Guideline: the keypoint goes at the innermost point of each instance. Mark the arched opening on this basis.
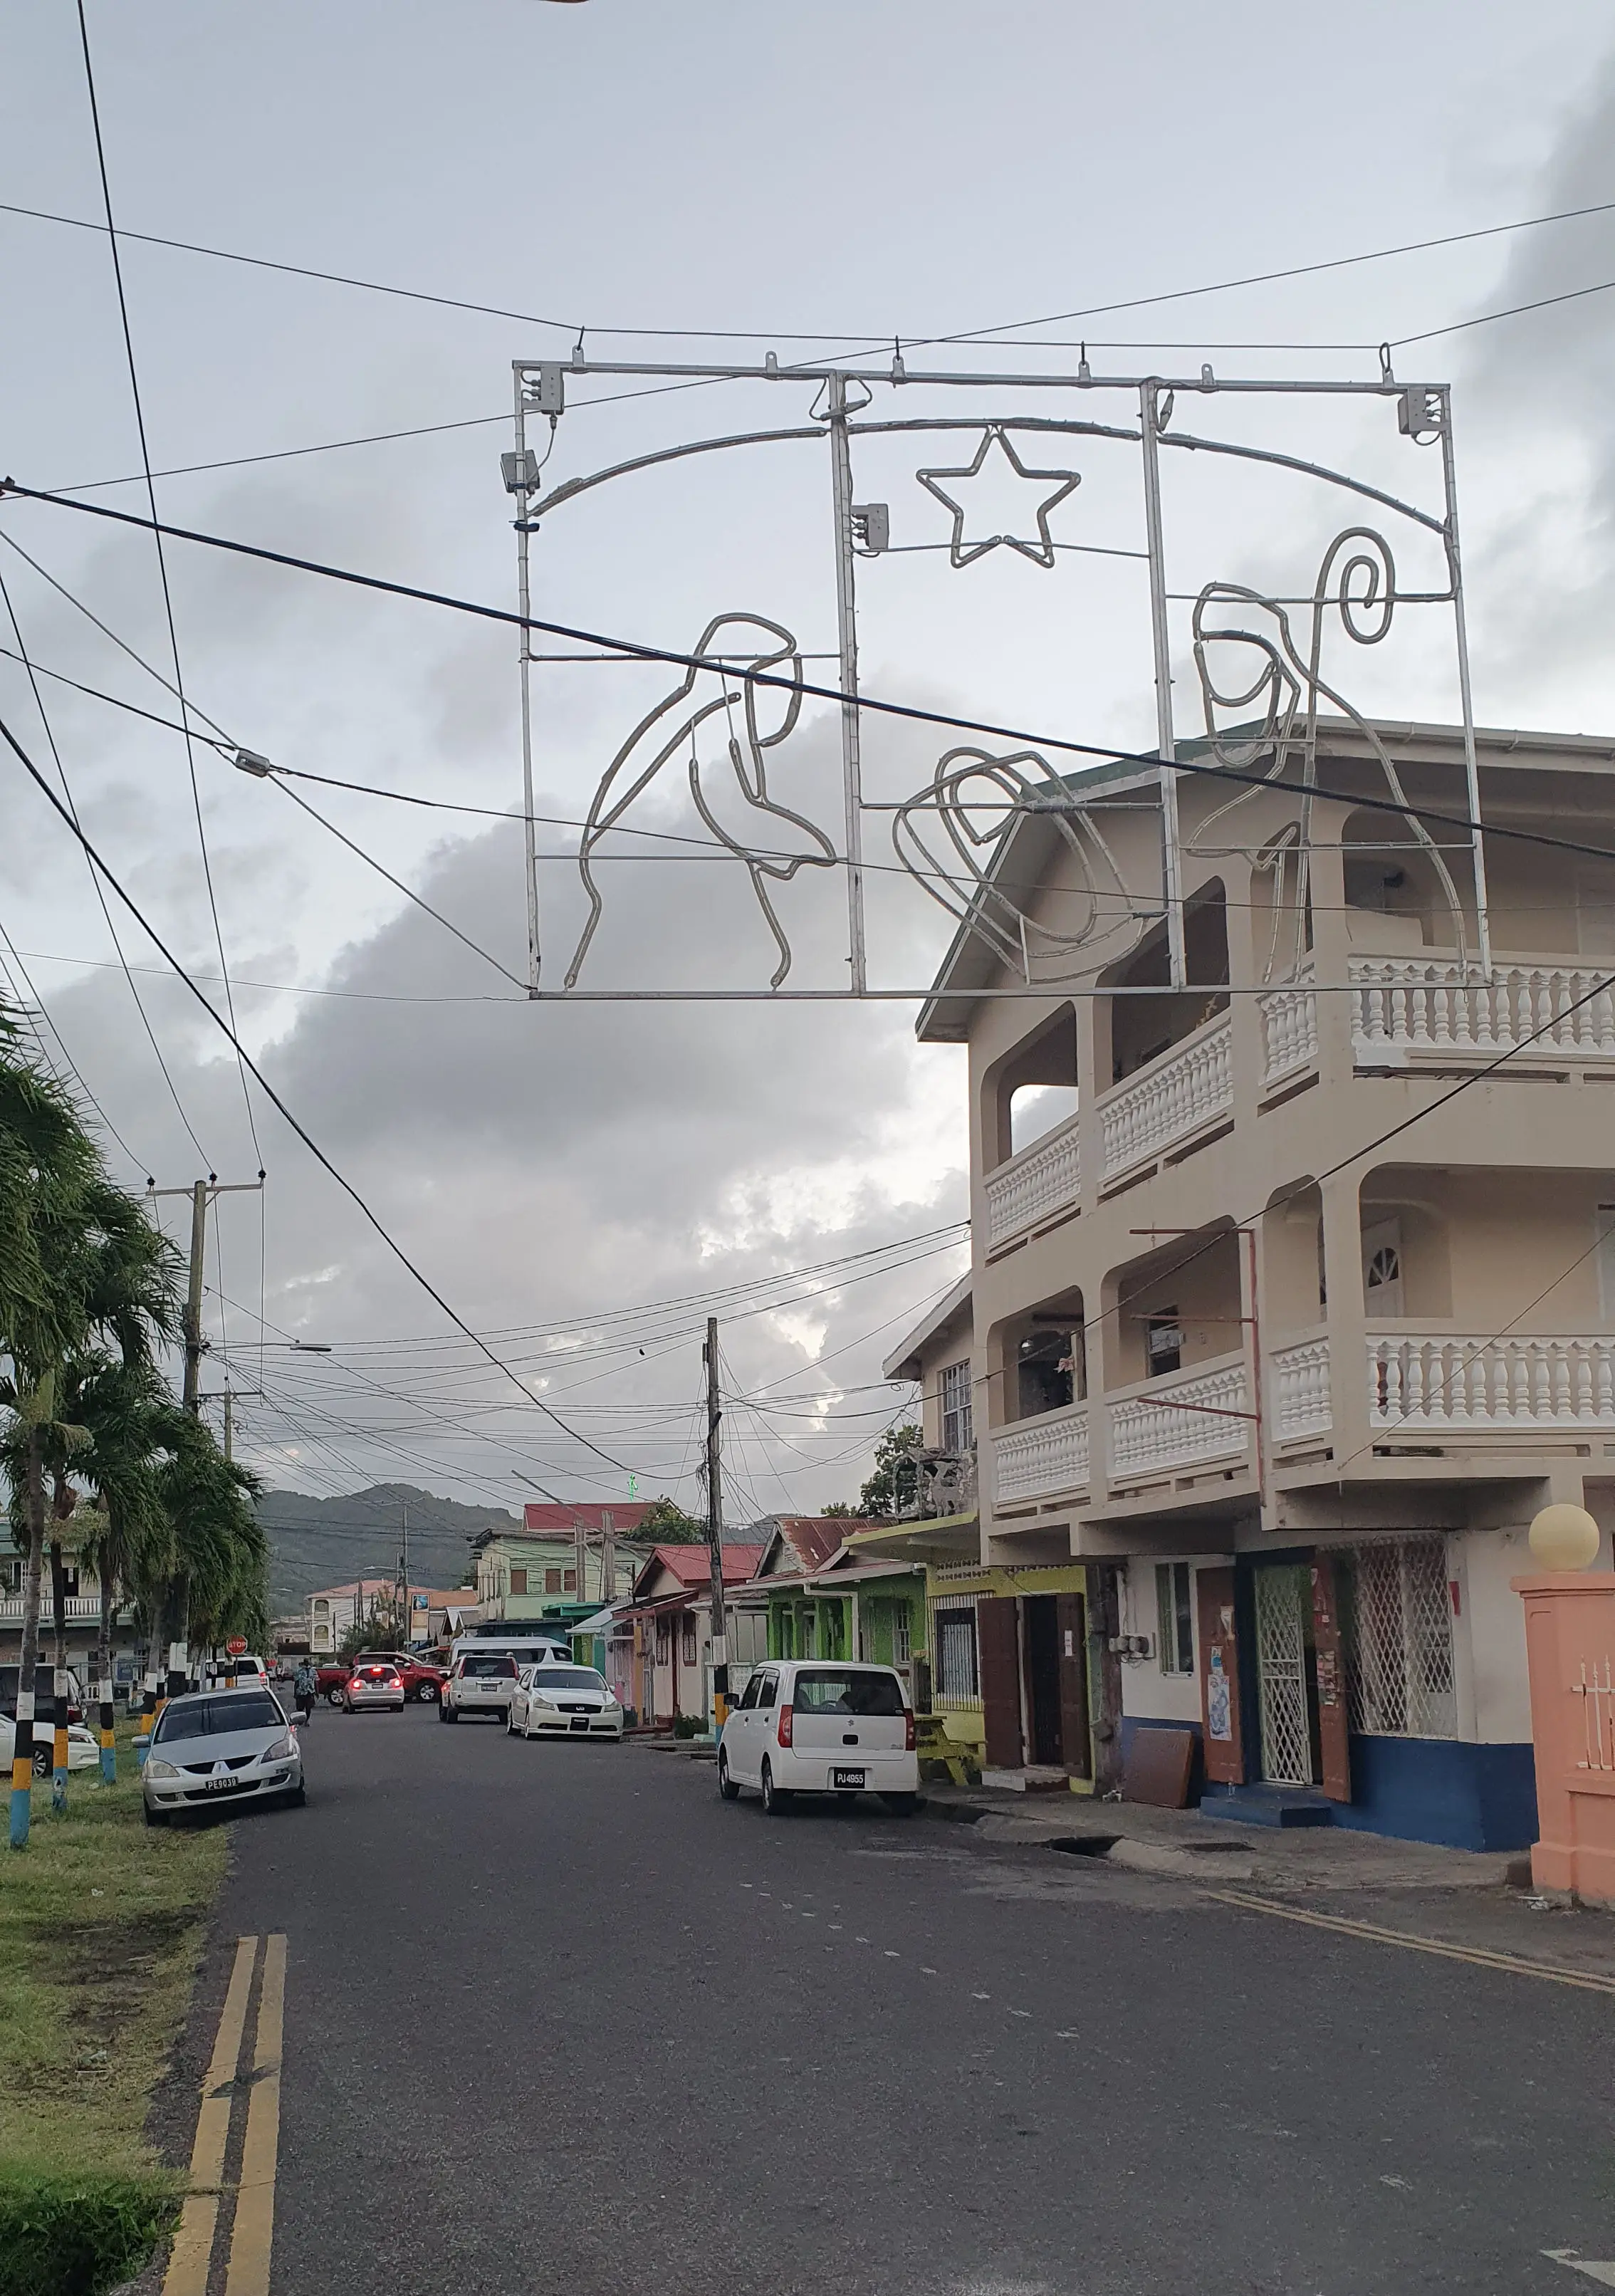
(1030, 1090)
(1294, 1292)
(1406, 1248)
(1395, 900)
(1043, 1357)
(1142, 1028)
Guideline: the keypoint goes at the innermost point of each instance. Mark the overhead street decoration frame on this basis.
(937, 834)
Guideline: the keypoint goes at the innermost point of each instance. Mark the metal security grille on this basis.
(956, 1677)
(1399, 1625)
(1281, 1655)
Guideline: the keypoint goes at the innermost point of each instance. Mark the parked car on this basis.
(806, 1726)
(220, 1746)
(563, 1702)
(479, 1682)
(422, 1678)
(84, 1747)
(44, 1694)
(374, 1683)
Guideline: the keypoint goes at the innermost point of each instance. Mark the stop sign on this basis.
(236, 1644)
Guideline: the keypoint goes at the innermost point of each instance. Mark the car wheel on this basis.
(427, 1693)
(153, 1816)
(42, 1761)
(296, 1799)
(901, 1805)
(725, 1783)
(776, 1799)
(333, 1696)
(446, 1713)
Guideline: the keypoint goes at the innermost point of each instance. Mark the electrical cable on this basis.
(101, 896)
(419, 899)
(633, 650)
(314, 1150)
(32, 1009)
(764, 334)
(162, 563)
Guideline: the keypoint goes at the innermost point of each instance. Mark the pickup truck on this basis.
(423, 1678)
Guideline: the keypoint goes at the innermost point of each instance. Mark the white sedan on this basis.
(373, 1685)
(84, 1747)
(563, 1702)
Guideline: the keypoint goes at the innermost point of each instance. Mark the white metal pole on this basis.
(1472, 768)
(524, 606)
(846, 640)
(1160, 638)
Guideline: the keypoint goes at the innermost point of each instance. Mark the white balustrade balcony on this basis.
(1290, 1032)
(1189, 1417)
(1299, 1401)
(75, 1608)
(1185, 1090)
(1408, 1011)
(1443, 1384)
(1042, 1457)
(1033, 1186)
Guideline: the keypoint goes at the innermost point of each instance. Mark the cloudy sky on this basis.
(692, 183)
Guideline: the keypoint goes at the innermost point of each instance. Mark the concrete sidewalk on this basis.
(1182, 1842)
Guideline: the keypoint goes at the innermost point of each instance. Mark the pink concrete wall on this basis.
(1569, 1639)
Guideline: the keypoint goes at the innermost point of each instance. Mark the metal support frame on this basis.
(833, 419)
(846, 643)
(1161, 643)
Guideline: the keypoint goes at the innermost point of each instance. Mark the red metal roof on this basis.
(691, 1566)
(539, 1516)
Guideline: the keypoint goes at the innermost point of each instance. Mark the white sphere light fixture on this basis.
(1564, 1538)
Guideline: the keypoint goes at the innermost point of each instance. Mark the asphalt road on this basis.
(559, 2020)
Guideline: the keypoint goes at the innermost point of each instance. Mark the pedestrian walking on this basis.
(306, 1687)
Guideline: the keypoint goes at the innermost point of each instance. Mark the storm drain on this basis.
(1085, 1845)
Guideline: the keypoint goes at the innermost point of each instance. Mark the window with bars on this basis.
(957, 1681)
(1174, 1617)
(687, 1626)
(1397, 1613)
(902, 1634)
(958, 1416)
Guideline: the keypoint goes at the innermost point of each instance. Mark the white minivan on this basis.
(821, 1726)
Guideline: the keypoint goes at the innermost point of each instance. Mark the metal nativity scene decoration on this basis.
(1269, 667)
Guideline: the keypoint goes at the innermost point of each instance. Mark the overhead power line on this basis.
(162, 563)
(303, 1134)
(635, 650)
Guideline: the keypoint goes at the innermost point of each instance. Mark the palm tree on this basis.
(122, 1407)
(218, 1566)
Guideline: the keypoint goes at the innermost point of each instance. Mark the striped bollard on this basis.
(148, 1721)
(108, 1742)
(59, 1748)
(22, 1768)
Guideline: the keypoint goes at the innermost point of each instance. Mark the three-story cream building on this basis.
(1293, 1287)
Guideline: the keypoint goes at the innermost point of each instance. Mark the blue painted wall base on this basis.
(1446, 1790)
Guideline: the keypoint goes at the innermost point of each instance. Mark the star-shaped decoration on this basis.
(1042, 552)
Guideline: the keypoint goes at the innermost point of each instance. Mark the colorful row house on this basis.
(1292, 1282)
(658, 1645)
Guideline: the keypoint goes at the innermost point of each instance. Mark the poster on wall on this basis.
(1219, 1719)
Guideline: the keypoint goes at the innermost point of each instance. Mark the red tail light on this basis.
(908, 1730)
(783, 1727)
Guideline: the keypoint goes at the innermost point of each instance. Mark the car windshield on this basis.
(488, 1665)
(567, 1678)
(214, 1718)
(847, 1690)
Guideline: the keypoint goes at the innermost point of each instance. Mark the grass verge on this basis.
(101, 1927)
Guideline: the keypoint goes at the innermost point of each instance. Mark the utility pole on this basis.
(715, 1535)
(175, 1608)
(404, 1609)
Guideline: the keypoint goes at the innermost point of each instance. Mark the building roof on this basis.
(591, 1513)
(970, 966)
(904, 1361)
(792, 1543)
(690, 1565)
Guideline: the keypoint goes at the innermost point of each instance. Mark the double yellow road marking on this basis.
(252, 2228)
(1518, 1964)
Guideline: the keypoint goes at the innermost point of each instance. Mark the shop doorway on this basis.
(1055, 1670)
(1287, 1680)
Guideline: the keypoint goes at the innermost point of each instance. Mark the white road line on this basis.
(1603, 2272)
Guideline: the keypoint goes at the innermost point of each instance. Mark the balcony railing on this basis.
(1423, 1383)
(1032, 1186)
(1042, 1457)
(1180, 1420)
(1182, 1093)
(1299, 1396)
(76, 1610)
(1406, 1010)
(1290, 1032)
